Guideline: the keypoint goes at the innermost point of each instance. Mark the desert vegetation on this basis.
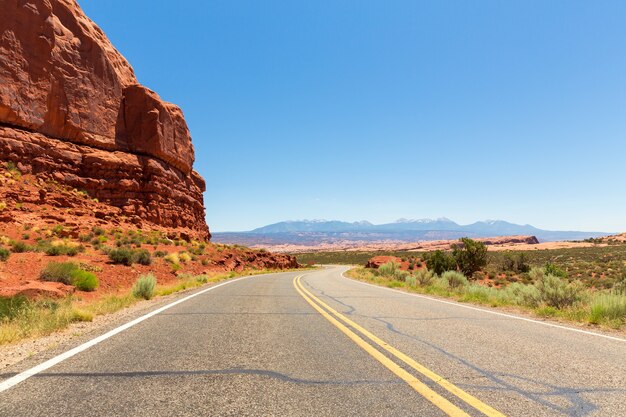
(530, 281)
(23, 317)
(54, 274)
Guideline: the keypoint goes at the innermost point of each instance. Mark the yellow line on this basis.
(469, 399)
(443, 404)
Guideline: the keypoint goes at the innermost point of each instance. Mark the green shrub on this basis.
(470, 255)
(12, 307)
(84, 280)
(524, 295)
(619, 286)
(388, 269)
(424, 277)
(142, 257)
(20, 247)
(144, 287)
(551, 269)
(515, 264)
(455, 279)
(172, 258)
(4, 254)
(607, 307)
(401, 275)
(440, 282)
(439, 262)
(557, 292)
(59, 272)
(57, 250)
(521, 263)
(411, 281)
(196, 250)
(160, 254)
(85, 237)
(124, 256)
(481, 294)
(508, 262)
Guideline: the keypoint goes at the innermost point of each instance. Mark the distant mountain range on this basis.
(312, 232)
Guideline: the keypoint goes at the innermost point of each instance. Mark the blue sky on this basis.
(377, 110)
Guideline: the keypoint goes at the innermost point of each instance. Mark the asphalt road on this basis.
(329, 346)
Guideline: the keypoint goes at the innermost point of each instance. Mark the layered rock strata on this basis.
(72, 110)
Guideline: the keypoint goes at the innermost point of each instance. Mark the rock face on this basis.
(71, 109)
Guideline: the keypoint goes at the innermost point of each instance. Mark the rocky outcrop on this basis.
(71, 109)
(144, 188)
(377, 261)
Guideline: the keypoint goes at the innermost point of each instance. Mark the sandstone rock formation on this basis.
(377, 261)
(72, 110)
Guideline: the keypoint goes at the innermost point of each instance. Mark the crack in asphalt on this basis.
(229, 371)
(579, 405)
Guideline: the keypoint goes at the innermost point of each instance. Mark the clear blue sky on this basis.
(376, 110)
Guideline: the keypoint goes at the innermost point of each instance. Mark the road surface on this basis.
(324, 345)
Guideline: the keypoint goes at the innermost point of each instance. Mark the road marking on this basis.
(443, 404)
(447, 385)
(22, 376)
(497, 313)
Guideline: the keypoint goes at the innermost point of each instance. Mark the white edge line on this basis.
(497, 313)
(14, 380)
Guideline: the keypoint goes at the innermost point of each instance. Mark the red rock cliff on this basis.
(71, 109)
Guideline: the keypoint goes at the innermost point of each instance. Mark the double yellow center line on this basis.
(446, 406)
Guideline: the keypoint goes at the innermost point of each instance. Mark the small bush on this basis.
(455, 279)
(4, 254)
(58, 229)
(508, 262)
(551, 269)
(388, 269)
(439, 262)
(172, 258)
(401, 275)
(440, 282)
(12, 307)
(620, 284)
(184, 257)
(196, 250)
(142, 257)
(203, 279)
(84, 280)
(20, 247)
(524, 295)
(411, 281)
(160, 254)
(521, 264)
(144, 287)
(424, 277)
(608, 307)
(63, 249)
(85, 237)
(59, 272)
(481, 294)
(123, 256)
(470, 255)
(557, 292)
